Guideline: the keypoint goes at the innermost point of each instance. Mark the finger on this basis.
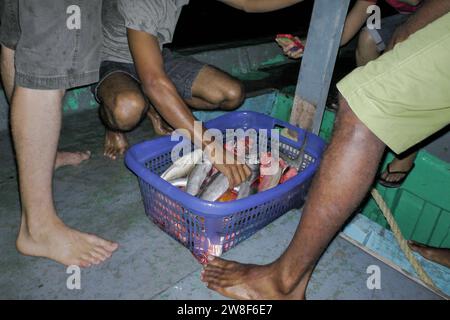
(236, 177)
(230, 178)
(244, 174)
(247, 170)
(240, 171)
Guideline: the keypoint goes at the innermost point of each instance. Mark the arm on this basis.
(260, 5)
(355, 20)
(162, 93)
(156, 84)
(430, 11)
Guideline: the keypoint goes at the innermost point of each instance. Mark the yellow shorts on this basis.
(404, 96)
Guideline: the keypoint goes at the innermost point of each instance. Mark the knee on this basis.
(365, 40)
(233, 96)
(128, 110)
(347, 120)
(366, 46)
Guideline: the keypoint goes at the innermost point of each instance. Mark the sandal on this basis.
(394, 184)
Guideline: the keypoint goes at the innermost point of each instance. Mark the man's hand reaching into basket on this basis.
(228, 164)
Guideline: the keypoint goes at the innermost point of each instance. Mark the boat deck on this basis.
(102, 197)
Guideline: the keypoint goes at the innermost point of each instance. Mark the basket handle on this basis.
(287, 133)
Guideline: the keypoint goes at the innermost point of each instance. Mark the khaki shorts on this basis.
(404, 96)
(49, 54)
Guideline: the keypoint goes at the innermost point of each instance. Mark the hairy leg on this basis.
(122, 109)
(367, 49)
(8, 74)
(345, 175)
(214, 89)
(35, 122)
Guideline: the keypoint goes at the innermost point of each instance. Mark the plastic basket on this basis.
(213, 228)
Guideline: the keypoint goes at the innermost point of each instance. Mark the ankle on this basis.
(288, 276)
(36, 225)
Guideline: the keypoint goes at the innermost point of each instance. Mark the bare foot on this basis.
(160, 126)
(441, 256)
(71, 158)
(56, 241)
(116, 144)
(249, 282)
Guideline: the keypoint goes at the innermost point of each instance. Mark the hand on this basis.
(401, 34)
(289, 50)
(235, 172)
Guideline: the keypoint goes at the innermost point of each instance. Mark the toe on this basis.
(98, 258)
(84, 263)
(104, 254)
(103, 244)
(216, 262)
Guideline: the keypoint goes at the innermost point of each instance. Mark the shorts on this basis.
(9, 23)
(60, 43)
(383, 36)
(404, 96)
(182, 71)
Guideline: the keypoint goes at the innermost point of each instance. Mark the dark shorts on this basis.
(54, 51)
(9, 23)
(383, 36)
(181, 70)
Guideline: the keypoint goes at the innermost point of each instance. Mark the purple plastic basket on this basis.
(213, 228)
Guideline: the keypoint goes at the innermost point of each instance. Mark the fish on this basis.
(246, 188)
(183, 166)
(291, 173)
(228, 196)
(217, 187)
(272, 179)
(179, 183)
(197, 177)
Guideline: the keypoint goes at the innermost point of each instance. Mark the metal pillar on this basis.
(324, 37)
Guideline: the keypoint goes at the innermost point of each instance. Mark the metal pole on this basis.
(324, 37)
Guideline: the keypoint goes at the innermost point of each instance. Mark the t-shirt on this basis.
(156, 17)
(400, 6)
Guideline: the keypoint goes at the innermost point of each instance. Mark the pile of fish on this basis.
(196, 175)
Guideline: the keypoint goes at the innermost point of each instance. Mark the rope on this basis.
(401, 240)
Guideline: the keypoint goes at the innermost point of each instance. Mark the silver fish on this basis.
(246, 188)
(183, 166)
(179, 183)
(216, 188)
(198, 177)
